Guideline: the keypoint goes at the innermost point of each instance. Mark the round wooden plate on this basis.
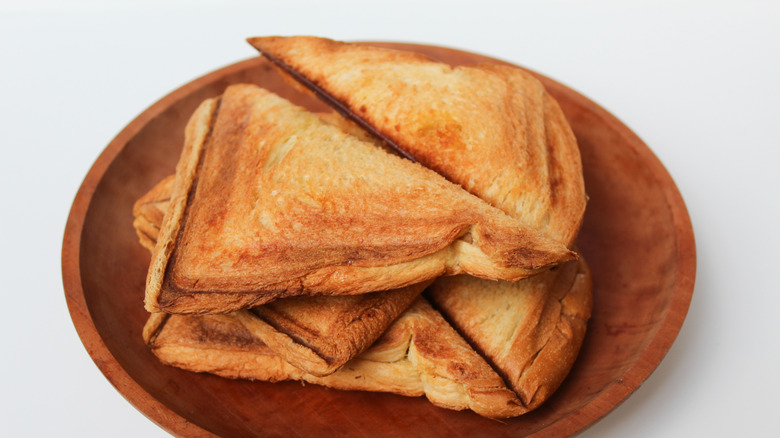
(637, 237)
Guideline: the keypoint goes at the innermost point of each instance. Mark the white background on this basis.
(697, 81)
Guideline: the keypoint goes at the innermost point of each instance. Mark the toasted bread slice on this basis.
(269, 201)
(497, 132)
(150, 209)
(493, 129)
(534, 339)
(420, 354)
(315, 334)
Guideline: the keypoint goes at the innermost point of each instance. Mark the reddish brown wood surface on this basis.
(636, 236)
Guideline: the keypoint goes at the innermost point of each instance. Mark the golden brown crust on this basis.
(315, 334)
(149, 210)
(320, 334)
(556, 357)
(269, 202)
(419, 354)
(497, 132)
(534, 340)
(196, 131)
(389, 354)
(335, 119)
(492, 129)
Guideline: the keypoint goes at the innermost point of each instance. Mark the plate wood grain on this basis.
(637, 237)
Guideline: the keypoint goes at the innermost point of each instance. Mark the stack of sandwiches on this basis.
(418, 241)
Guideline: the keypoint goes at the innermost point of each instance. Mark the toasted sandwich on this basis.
(492, 129)
(268, 202)
(317, 335)
(149, 210)
(530, 331)
(498, 133)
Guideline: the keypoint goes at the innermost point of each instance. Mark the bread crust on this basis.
(420, 354)
(269, 202)
(317, 335)
(535, 338)
(320, 334)
(492, 129)
(496, 131)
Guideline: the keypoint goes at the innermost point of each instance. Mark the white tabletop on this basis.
(699, 82)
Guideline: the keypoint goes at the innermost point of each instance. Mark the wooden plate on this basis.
(637, 237)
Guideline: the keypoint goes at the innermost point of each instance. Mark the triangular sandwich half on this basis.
(534, 339)
(491, 128)
(496, 131)
(269, 201)
(149, 210)
(315, 334)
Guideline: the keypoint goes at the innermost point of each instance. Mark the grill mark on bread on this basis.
(340, 327)
(553, 179)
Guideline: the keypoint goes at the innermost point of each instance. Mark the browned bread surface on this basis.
(538, 353)
(534, 340)
(493, 129)
(496, 131)
(320, 334)
(315, 334)
(269, 201)
(149, 210)
(420, 354)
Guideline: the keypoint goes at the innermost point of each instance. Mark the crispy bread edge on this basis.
(577, 200)
(325, 354)
(153, 205)
(196, 133)
(445, 370)
(554, 361)
(454, 375)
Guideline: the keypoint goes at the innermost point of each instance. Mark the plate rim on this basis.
(576, 421)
